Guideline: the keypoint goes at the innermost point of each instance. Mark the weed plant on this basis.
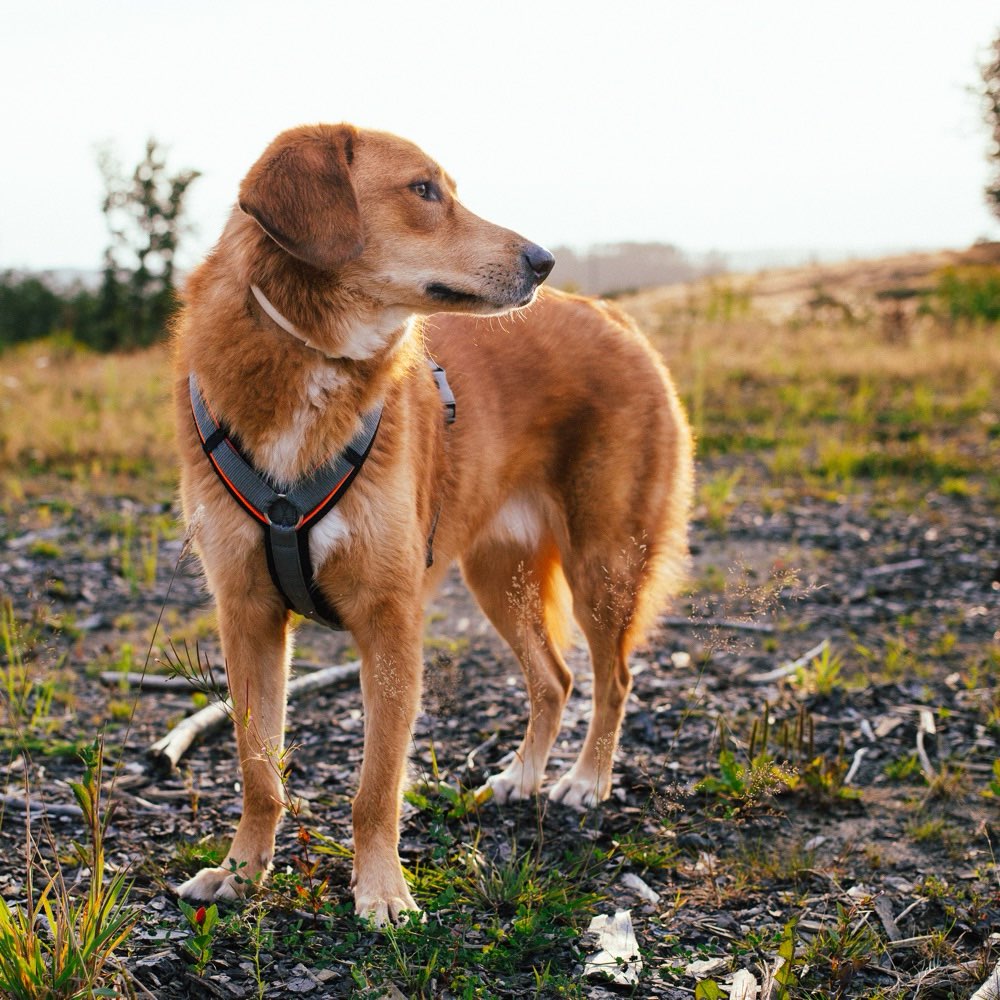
(59, 945)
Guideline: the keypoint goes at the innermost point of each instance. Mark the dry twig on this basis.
(925, 728)
(676, 621)
(990, 990)
(162, 682)
(25, 804)
(169, 750)
(789, 668)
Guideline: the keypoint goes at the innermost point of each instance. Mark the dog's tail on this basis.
(557, 601)
(665, 547)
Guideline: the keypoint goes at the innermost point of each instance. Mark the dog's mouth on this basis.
(453, 297)
(456, 299)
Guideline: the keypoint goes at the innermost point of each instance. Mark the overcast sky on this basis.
(712, 125)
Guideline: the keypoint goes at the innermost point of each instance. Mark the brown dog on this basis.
(563, 487)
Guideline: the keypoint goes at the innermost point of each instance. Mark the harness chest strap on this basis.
(287, 517)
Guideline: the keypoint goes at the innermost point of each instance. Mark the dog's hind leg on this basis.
(605, 596)
(256, 643)
(521, 590)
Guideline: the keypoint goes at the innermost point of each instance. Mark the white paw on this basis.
(580, 791)
(211, 884)
(379, 900)
(514, 782)
(380, 911)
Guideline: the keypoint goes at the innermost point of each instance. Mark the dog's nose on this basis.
(539, 260)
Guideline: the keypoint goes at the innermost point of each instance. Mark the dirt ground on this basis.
(892, 878)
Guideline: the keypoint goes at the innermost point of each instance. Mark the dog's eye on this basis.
(426, 190)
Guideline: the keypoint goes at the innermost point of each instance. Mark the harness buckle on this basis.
(282, 513)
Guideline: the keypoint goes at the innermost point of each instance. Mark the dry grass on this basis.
(813, 372)
(828, 388)
(92, 419)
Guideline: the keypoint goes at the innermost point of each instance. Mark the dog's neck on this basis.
(372, 332)
(286, 324)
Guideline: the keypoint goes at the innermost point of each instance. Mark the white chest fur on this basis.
(281, 455)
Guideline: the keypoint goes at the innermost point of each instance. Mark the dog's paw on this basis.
(505, 788)
(580, 791)
(212, 884)
(514, 782)
(380, 906)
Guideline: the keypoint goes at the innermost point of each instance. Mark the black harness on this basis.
(287, 515)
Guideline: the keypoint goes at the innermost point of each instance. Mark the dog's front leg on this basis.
(256, 645)
(390, 688)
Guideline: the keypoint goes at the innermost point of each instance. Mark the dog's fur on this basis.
(563, 488)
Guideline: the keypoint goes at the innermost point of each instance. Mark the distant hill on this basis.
(60, 279)
(853, 287)
(616, 268)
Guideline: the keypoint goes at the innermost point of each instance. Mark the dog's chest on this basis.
(281, 454)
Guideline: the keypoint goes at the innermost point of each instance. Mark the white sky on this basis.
(721, 124)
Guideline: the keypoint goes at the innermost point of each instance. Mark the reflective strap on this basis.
(249, 488)
(319, 492)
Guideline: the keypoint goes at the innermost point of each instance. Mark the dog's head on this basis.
(382, 215)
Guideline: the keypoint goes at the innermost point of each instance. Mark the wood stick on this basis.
(859, 755)
(910, 942)
(677, 621)
(990, 990)
(168, 751)
(25, 804)
(925, 727)
(884, 910)
(888, 569)
(162, 682)
(788, 668)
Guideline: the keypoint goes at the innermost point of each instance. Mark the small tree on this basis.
(991, 102)
(29, 308)
(145, 217)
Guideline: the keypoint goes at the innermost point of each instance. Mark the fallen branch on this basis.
(770, 986)
(678, 622)
(888, 569)
(904, 944)
(162, 682)
(470, 760)
(884, 910)
(859, 756)
(925, 728)
(24, 804)
(789, 668)
(990, 990)
(168, 751)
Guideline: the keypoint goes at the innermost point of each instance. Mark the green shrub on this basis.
(971, 292)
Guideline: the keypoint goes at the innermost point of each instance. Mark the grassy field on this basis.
(867, 388)
(821, 380)
(814, 374)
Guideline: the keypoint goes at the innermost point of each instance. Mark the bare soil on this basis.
(908, 597)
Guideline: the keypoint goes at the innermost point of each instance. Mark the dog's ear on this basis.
(301, 194)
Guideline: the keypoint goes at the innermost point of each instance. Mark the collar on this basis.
(285, 323)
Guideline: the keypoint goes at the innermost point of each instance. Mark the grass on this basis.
(60, 944)
(100, 421)
(835, 403)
